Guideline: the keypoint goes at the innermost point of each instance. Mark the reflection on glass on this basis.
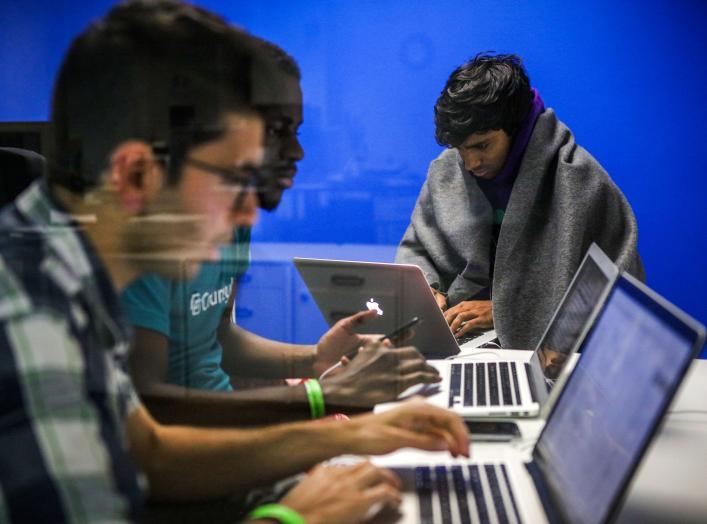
(571, 319)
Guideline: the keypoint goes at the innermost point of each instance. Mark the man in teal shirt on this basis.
(185, 342)
(188, 313)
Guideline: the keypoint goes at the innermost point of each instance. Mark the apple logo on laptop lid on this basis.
(373, 305)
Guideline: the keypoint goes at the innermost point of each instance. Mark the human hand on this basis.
(469, 315)
(551, 362)
(415, 424)
(343, 494)
(340, 339)
(441, 299)
(378, 374)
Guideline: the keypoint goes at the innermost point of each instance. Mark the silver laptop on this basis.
(634, 358)
(398, 292)
(483, 386)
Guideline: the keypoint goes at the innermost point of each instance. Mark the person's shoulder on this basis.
(26, 273)
(147, 284)
(447, 163)
(447, 157)
(554, 137)
(15, 298)
(550, 130)
(150, 279)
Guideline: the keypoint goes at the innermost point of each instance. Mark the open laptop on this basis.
(480, 385)
(633, 361)
(398, 292)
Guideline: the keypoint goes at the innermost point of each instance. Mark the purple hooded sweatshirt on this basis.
(498, 190)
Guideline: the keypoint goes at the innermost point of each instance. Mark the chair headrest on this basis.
(18, 168)
(15, 158)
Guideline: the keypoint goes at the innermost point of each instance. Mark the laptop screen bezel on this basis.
(675, 317)
(611, 272)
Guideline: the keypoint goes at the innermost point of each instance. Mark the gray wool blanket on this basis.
(561, 202)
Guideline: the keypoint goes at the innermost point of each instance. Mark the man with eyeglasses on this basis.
(185, 342)
(146, 99)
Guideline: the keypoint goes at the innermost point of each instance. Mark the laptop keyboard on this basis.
(474, 335)
(469, 337)
(465, 494)
(484, 384)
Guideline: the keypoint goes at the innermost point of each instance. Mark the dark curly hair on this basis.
(487, 93)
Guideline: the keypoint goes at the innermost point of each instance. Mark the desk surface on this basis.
(669, 485)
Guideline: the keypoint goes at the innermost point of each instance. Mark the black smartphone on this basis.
(395, 333)
(400, 330)
(492, 430)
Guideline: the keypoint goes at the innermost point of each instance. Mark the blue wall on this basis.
(628, 77)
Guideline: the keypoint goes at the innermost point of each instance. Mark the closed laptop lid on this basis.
(633, 360)
(398, 292)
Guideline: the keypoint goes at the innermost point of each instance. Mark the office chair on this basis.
(18, 168)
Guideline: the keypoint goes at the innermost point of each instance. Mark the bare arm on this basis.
(174, 404)
(248, 354)
(221, 462)
(245, 353)
(377, 374)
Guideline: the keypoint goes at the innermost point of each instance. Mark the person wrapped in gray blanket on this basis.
(509, 209)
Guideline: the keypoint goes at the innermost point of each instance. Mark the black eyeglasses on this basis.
(244, 177)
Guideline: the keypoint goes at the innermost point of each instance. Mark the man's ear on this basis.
(135, 176)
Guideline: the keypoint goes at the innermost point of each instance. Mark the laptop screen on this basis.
(633, 360)
(573, 313)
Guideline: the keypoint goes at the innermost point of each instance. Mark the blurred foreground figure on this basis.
(156, 159)
(185, 341)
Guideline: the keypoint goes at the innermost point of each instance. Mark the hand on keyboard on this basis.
(378, 374)
(470, 315)
(415, 424)
(343, 494)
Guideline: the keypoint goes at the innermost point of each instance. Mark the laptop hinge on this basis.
(543, 492)
(531, 383)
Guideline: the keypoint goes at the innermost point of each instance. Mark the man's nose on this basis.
(471, 161)
(294, 150)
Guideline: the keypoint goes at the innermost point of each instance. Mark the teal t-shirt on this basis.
(188, 314)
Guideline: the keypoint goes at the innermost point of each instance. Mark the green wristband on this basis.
(277, 512)
(315, 398)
